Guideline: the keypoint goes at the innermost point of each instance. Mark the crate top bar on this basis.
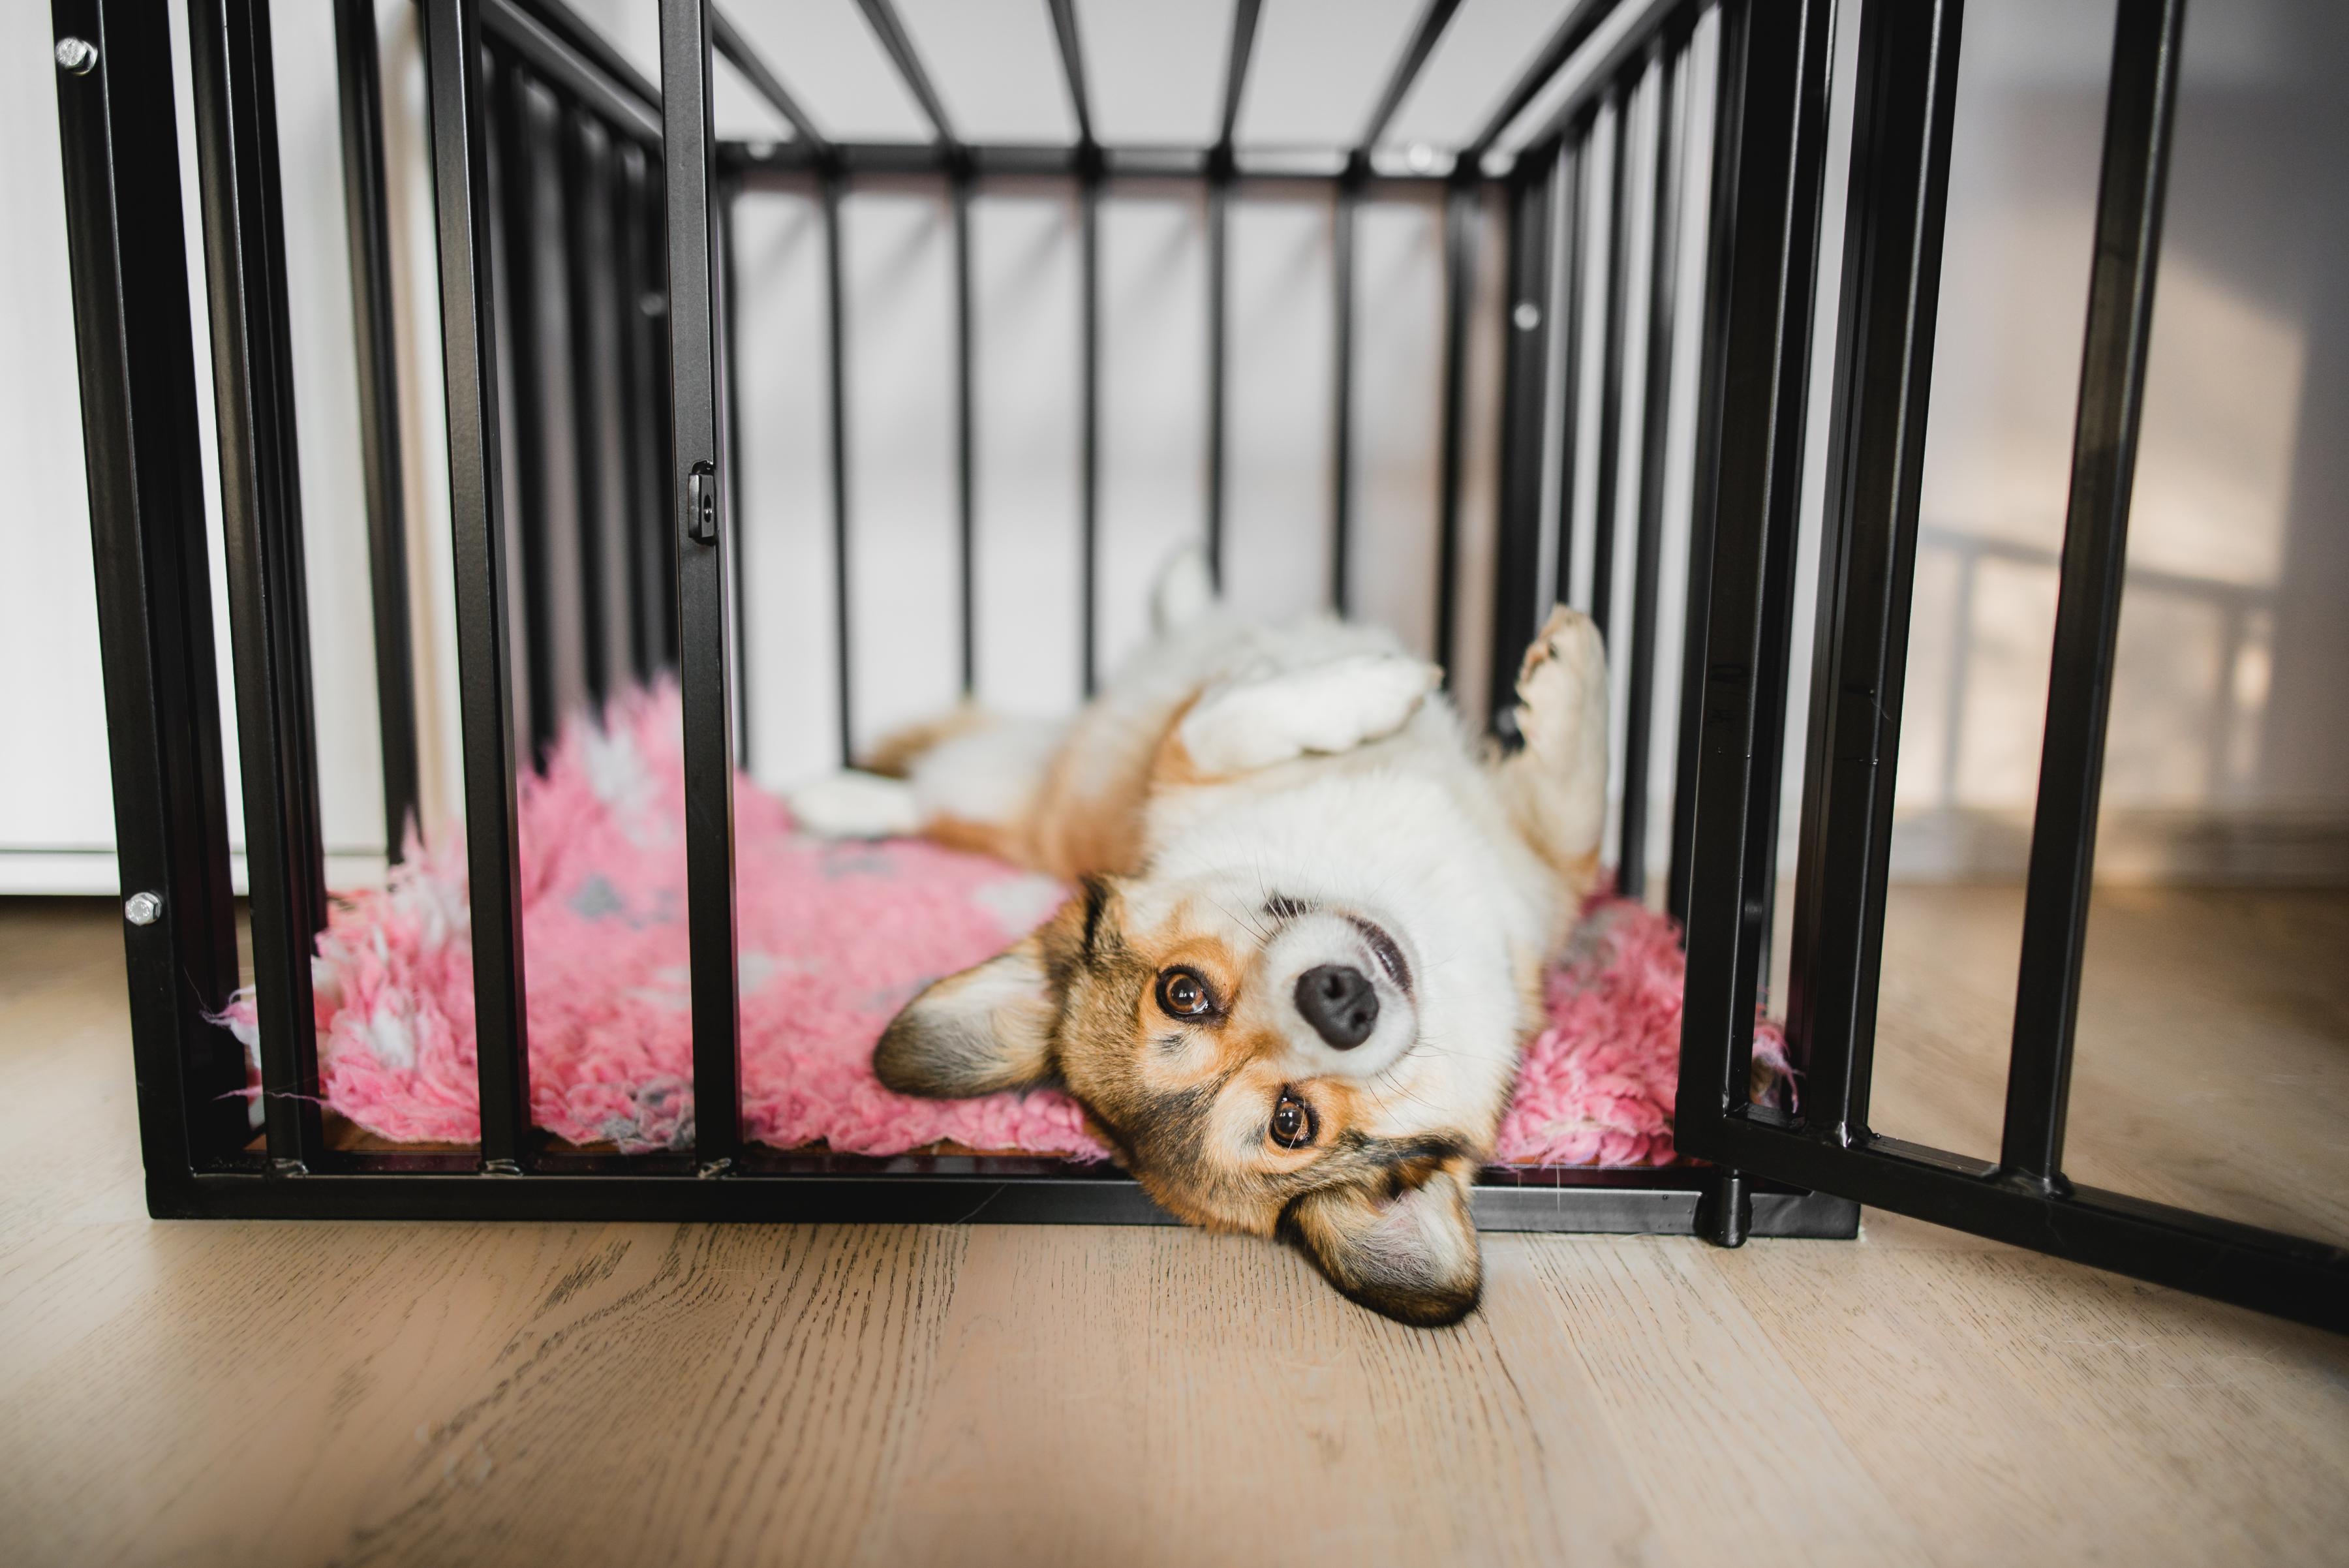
(1446, 50)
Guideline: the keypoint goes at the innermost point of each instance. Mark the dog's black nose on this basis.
(1338, 1002)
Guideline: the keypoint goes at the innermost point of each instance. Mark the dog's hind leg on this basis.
(874, 798)
(855, 805)
(972, 781)
(1556, 785)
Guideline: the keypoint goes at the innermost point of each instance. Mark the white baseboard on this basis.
(94, 872)
(2134, 847)
(2186, 848)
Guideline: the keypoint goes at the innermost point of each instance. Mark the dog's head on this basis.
(1261, 1063)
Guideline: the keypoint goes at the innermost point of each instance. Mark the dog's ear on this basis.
(990, 1027)
(987, 1028)
(1412, 1255)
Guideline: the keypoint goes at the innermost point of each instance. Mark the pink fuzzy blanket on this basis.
(834, 938)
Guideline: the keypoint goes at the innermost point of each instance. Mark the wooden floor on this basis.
(260, 1394)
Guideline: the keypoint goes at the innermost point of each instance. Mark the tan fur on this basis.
(1077, 825)
(1074, 832)
(894, 755)
(1003, 840)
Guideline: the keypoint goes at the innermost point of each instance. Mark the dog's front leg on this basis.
(1556, 785)
(1260, 719)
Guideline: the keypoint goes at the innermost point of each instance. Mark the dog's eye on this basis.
(1293, 1122)
(1184, 994)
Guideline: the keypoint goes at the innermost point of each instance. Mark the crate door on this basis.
(1883, 361)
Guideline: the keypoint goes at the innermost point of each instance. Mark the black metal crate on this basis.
(637, 403)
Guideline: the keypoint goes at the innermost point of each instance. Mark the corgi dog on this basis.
(1307, 950)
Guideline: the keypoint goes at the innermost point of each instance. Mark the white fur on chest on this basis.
(1406, 827)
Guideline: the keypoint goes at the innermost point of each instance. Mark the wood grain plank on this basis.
(1167, 1396)
(1734, 1460)
(2111, 1420)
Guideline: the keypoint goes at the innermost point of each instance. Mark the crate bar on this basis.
(374, 345)
(1772, 124)
(1905, 101)
(1245, 16)
(1666, 177)
(645, 412)
(835, 285)
(530, 251)
(1516, 594)
(1219, 193)
(1697, 603)
(2137, 117)
(958, 195)
(140, 441)
(945, 1190)
(1424, 38)
(664, 514)
(882, 17)
(1604, 516)
(596, 52)
(1089, 170)
(576, 61)
(1219, 171)
(787, 165)
(461, 190)
(1461, 221)
(260, 508)
(1421, 44)
(1682, 870)
(1089, 430)
(1341, 390)
(960, 177)
(1573, 168)
(900, 48)
(701, 480)
(1561, 45)
(1073, 69)
(730, 397)
(600, 438)
(736, 51)
(1607, 70)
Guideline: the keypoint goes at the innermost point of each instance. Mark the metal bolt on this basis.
(78, 57)
(143, 908)
(1527, 315)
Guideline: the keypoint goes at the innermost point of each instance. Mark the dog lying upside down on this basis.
(1313, 922)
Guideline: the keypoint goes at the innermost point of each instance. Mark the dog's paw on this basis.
(856, 805)
(1562, 684)
(1332, 707)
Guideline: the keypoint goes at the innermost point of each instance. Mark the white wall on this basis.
(56, 828)
(55, 815)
